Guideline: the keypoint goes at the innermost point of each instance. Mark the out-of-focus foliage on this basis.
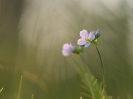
(32, 33)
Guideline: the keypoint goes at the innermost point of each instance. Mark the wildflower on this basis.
(67, 49)
(86, 38)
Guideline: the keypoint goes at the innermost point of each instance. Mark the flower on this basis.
(67, 49)
(86, 38)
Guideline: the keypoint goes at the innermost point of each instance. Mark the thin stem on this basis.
(102, 67)
(19, 92)
(80, 97)
(79, 69)
(32, 96)
(1, 89)
(86, 66)
(89, 80)
(88, 70)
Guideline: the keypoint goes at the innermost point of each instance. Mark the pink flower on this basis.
(86, 38)
(67, 49)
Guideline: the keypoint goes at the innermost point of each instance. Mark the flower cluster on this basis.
(85, 40)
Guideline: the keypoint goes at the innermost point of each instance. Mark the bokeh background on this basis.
(32, 33)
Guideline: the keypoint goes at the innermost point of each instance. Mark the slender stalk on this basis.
(86, 66)
(19, 92)
(79, 69)
(1, 90)
(80, 97)
(102, 68)
(89, 81)
(32, 96)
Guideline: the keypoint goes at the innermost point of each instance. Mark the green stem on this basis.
(19, 92)
(1, 90)
(102, 67)
(32, 96)
(86, 66)
(88, 80)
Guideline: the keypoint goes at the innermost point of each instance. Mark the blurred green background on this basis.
(32, 33)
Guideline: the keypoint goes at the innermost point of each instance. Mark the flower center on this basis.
(88, 40)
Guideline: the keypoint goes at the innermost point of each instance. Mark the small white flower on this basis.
(86, 38)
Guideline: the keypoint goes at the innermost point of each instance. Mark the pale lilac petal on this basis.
(97, 32)
(87, 44)
(84, 34)
(91, 36)
(72, 47)
(67, 49)
(66, 53)
(66, 46)
(81, 41)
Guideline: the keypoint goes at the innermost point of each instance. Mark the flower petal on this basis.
(84, 34)
(97, 32)
(66, 53)
(81, 41)
(91, 36)
(66, 46)
(67, 49)
(87, 44)
(71, 47)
